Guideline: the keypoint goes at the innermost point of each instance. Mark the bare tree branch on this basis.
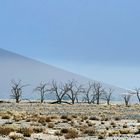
(42, 90)
(17, 90)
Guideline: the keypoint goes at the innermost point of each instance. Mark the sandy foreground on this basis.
(35, 121)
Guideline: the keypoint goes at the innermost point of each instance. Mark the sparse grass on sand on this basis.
(79, 121)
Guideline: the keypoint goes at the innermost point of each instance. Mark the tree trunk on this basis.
(108, 102)
(17, 100)
(98, 100)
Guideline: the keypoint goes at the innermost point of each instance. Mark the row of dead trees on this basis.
(71, 92)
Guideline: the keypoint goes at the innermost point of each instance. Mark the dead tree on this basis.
(60, 90)
(98, 90)
(42, 90)
(89, 95)
(126, 97)
(136, 92)
(16, 91)
(73, 90)
(107, 95)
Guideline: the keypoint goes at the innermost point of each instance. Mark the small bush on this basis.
(58, 133)
(48, 119)
(74, 116)
(16, 136)
(90, 131)
(138, 120)
(94, 118)
(102, 135)
(113, 124)
(138, 130)
(4, 131)
(50, 125)
(64, 130)
(37, 129)
(117, 118)
(64, 117)
(26, 131)
(124, 131)
(5, 116)
(72, 133)
(42, 120)
(114, 132)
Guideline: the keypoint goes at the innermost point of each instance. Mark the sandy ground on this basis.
(89, 122)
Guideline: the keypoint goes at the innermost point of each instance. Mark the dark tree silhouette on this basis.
(60, 90)
(16, 91)
(73, 90)
(136, 92)
(107, 95)
(42, 90)
(89, 95)
(98, 90)
(126, 97)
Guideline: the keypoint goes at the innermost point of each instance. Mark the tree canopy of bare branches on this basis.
(136, 92)
(107, 95)
(73, 90)
(42, 90)
(126, 97)
(16, 91)
(89, 95)
(59, 90)
(98, 90)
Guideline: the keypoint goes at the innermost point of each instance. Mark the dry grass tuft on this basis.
(50, 125)
(125, 131)
(5, 130)
(72, 133)
(16, 136)
(26, 131)
(90, 131)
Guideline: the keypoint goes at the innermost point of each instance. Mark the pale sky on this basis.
(95, 38)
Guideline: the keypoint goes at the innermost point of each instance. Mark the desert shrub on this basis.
(72, 133)
(42, 120)
(84, 117)
(17, 118)
(58, 133)
(114, 132)
(117, 118)
(110, 134)
(90, 123)
(69, 118)
(5, 116)
(125, 131)
(48, 119)
(16, 136)
(50, 125)
(37, 129)
(113, 124)
(64, 130)
(125, 126)
(138, 130)
(83, 127)
(26, 131)
(90, 131)
(102, 135)
(74, 116)
(104, 119)
(102, 122)
(5, 130)
(64, 117)
(138, 120)
(94, 118)
(53, 117)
